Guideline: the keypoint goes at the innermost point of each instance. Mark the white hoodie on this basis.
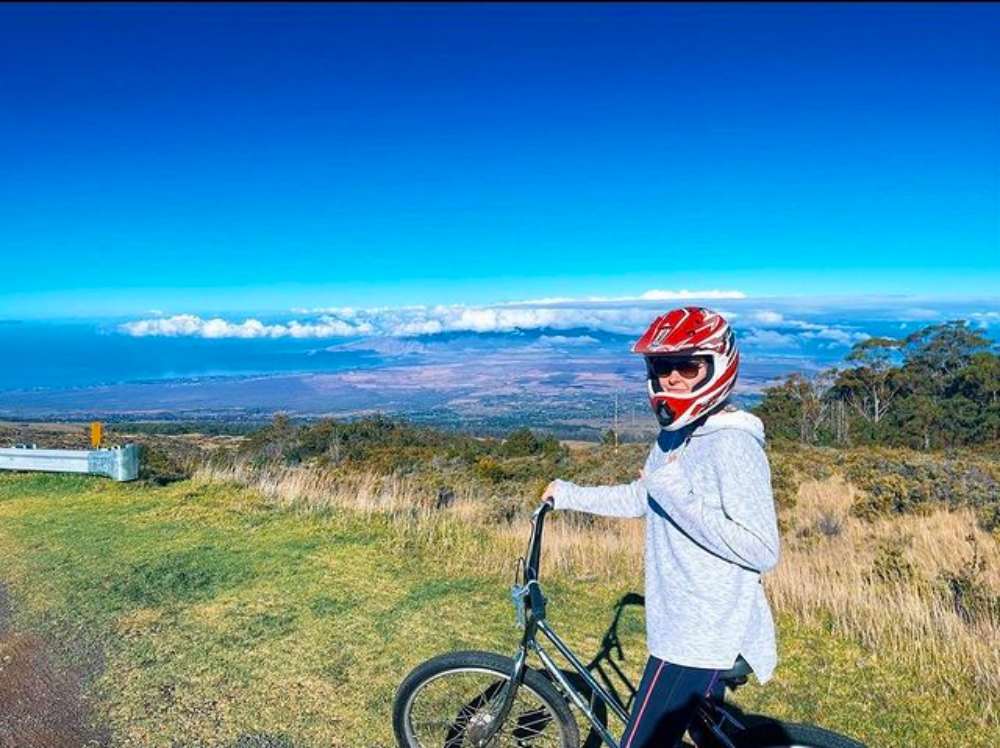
(711, 531)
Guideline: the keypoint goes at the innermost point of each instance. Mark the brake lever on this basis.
(518, 570)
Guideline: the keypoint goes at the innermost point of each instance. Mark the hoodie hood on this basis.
(732, 419)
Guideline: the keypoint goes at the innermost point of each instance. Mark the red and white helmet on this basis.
(685, 333)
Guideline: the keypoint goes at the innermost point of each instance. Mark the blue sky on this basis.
(198, 159)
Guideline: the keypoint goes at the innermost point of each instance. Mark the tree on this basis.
(521, 442)
(962, 423)
(841, 422)
(780, 411)
(797, 408)
(871, 385)
(610, 438)
(980, 380)
(989, 426)
(939, 386)
(934, 355)
(980, 383)
(814, 396)
(919, 418)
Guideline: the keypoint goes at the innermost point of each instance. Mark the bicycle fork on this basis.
(481, 736)
(482, 733)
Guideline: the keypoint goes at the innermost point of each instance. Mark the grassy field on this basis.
(202, 613)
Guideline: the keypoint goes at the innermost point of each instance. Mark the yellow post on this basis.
(96, 434)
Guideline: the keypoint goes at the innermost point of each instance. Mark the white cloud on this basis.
(836, 334)
(190, 325)
(985, 319)
(767, 317)
(575, 340)
(622, 315)
(789, 329)
(771, 338)
(411, 321)
(493, 319)
(400, 322)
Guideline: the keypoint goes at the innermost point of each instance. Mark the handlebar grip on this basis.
(544, 508)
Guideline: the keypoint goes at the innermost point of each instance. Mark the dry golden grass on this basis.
(600, 550)
(826, 574)
(829, 577)
(315, 489)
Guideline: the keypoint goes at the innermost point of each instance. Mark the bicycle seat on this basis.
(737, 674)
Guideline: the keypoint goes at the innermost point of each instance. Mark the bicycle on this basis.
(491, 700)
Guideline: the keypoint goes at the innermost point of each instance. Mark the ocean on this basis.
(85, 354)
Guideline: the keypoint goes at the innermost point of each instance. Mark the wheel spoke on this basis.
(453, 708)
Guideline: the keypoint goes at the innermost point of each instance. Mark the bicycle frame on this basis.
(529, 606)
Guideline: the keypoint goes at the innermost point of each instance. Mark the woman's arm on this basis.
(744, 528)
(625, 500)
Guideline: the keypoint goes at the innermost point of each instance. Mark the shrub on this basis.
(161, 463)
(891, 565)
(524, 443)
(520, 443)
(829, 524)
(882, 493)
(504, 510)
(784, 485)
(988, 517)
(899, 481)
(968, 591)
(489, 469)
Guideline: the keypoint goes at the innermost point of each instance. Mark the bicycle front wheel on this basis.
(774, 734)
(448, 700)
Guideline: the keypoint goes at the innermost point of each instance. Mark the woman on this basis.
(705, 493)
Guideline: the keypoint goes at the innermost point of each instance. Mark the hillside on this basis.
(278, 595)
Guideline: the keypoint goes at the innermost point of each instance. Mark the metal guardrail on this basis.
(119, 463)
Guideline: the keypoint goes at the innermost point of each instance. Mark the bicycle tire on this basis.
(775, 734)
(476, 661)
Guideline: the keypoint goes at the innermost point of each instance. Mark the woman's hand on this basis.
(549, 493)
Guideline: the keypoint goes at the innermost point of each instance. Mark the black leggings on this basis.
(665, 704)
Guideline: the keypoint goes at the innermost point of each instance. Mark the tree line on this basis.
(938, 387)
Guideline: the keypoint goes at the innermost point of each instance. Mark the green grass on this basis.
(221, 618)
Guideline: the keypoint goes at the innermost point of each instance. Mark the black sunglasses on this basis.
(689, 368)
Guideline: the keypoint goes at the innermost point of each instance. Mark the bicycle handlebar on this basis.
(535, 543)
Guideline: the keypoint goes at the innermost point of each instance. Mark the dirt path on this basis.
(41, 703)
(4, 609)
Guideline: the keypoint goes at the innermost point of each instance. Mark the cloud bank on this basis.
(790, 325)
(190, 325)
(625, 315)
